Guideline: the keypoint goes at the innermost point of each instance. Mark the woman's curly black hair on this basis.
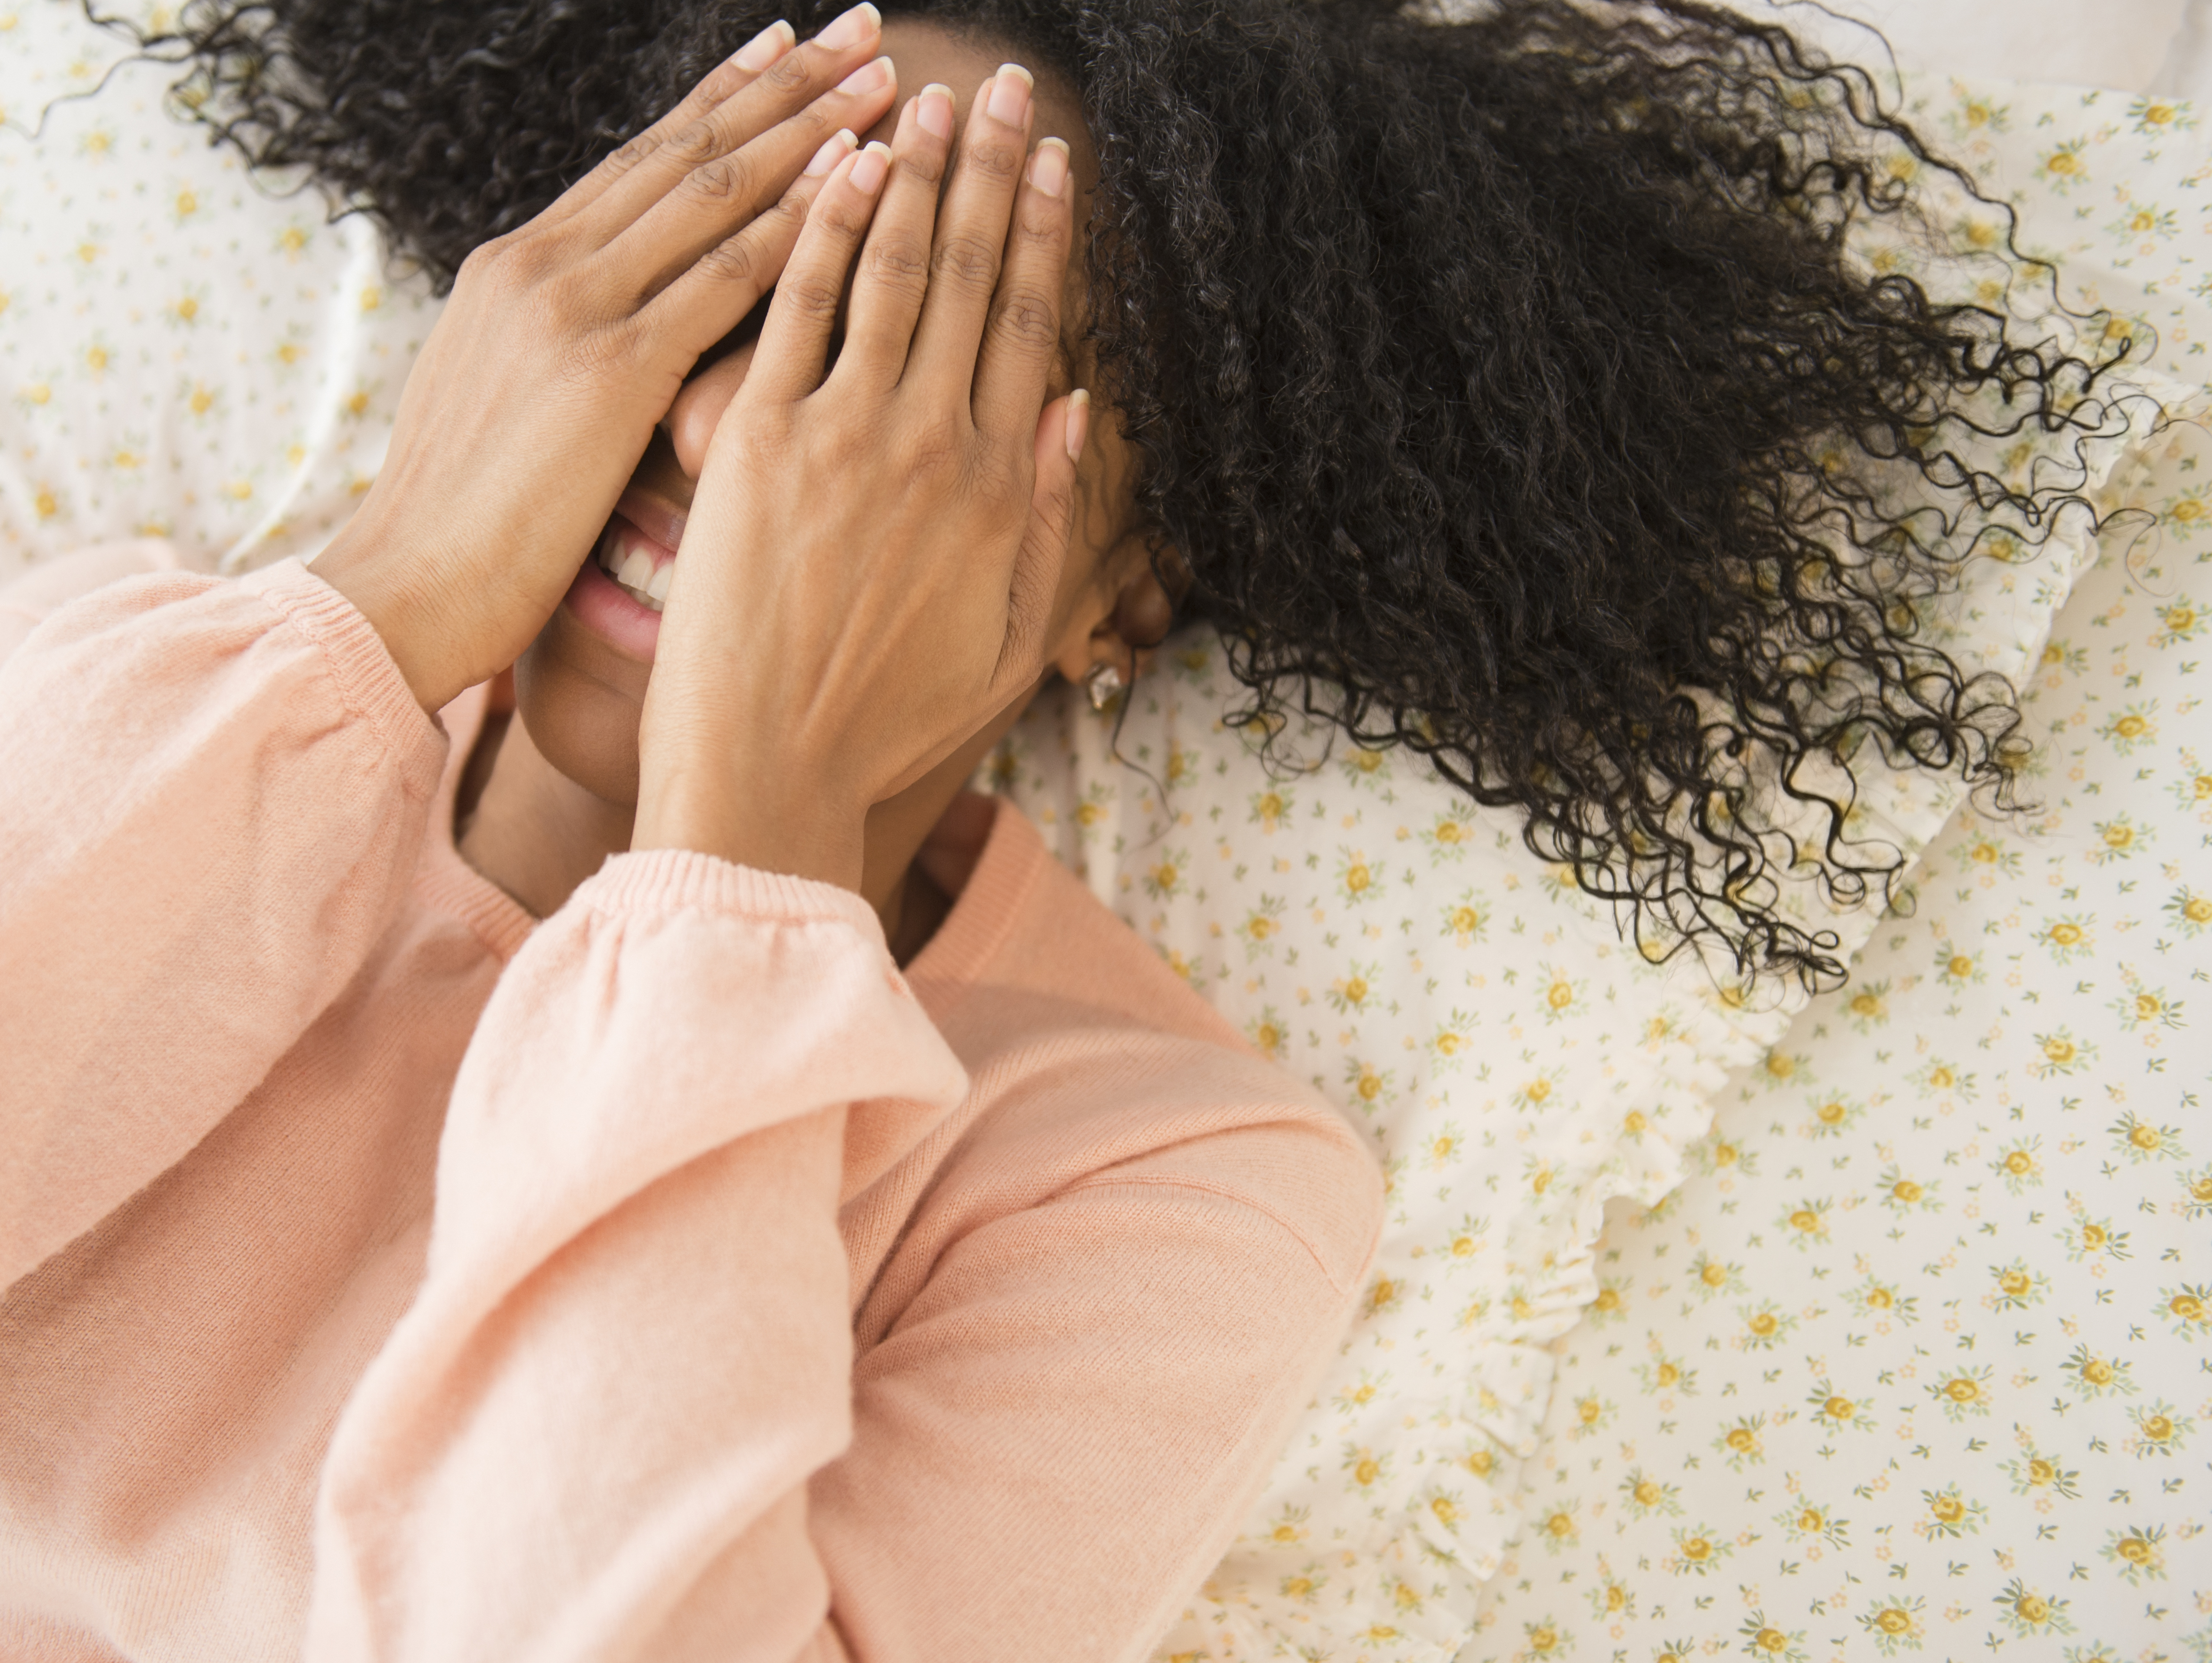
(1507, 380)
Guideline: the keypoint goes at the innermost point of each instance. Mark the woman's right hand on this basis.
(565, 341)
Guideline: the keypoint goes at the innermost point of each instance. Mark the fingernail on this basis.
(764, 48)
(831, 153)
(934, 112)
(1010, 95)
(1049, 167)
(1079, 422)
(852, 28)
(867, 78)
(868, 172)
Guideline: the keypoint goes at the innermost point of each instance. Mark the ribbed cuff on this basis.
(684, 880)
(367, 678)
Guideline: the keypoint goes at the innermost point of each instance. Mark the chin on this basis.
(582, 708)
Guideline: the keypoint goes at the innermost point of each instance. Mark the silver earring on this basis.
(1103, 682)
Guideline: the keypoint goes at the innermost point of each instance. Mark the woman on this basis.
(418, 1247)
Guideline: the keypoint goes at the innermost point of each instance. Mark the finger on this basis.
(1062, 427)
(1022, 338)
(719, 196)
(893, 271)
(971, 231)
(794, 340)
(783, 90)
(725, 81)
(724, 284)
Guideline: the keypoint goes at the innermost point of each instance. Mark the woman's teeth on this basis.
(636, 572)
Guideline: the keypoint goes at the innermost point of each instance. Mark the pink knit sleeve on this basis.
(623, 1420)
(214, 792)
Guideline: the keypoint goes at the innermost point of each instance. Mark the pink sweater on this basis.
(387, 1275)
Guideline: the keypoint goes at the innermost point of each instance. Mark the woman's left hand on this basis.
(870, 564)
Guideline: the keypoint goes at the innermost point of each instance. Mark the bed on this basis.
(1705, 1321)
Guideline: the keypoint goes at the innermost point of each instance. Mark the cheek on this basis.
(581, 713)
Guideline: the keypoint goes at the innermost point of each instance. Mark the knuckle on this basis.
(813, 294)
(627, 154)
(926, 168)
(994, 159)
(1027, 319)
(732, 262)
(725, 179)
(695, 142)
(793, 70)
(968, 261)
(899, 262)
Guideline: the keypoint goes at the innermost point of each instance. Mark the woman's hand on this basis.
(565, 341)
(871, 563)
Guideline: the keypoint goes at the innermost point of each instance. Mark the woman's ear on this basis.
(1135, 621)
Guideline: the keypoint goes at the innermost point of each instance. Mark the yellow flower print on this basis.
(1384, 1293)
(2118, 838)
(2188, 1308)
(1350, 993)
(1465, 1240)
(1272, 806)
(2062, 168)
(1359, 879)
(2017, 1286)
(1365, 1467)
(1557, 1528)
(1902, 1194)
(2137, 1553)
(2141, 1007)
(1740, 1443)
(2129, 730)
(1182, 766)
(1805, 1224)
(1562, 995)
(1449, 838)
(1894, 1621)
(2160, 1429)
(1784, 1069)
(2178, 621)
(1645, 1495)
(1593, 1414)
(1939, 1077)
(1261, 926)
(1168, 875)
(1359, 1396)
(1544, 1640)
(1366, 767)
(1770, 1644)
(1301, 1586)
(1481, 1462)
(1837, 1410)
(1443, 1146)
(1665, 1373)
(1611, 1599)
(1805, 1521)
(1868, 1008)
(1095, 806)
(1724, 1154)
(1464, 921)
(1371, 1087)
(2192, 912)
(1268, 1035)
(2069, 937)
(1950, 1514)
(1537, 1092)
(1879, 1299)
(1763, 1326)
(1990, 855)
(1963, 1392)
(1955, 966)
(2088, 1237)
(1453, 1039)
(2034, 1473)
(2018, 1166)
(2188, 514)
(1710, 1275)
(1610, 1304)
(2197, 1194)
(1445, 1507)
(2030, 1614)
(1289, 1526)
(2145, 221)
(2155, 118)
(1699, 1551)
(2141, 1141)
(2060, 1053)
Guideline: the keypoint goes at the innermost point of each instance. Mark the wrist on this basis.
(391, 598)
(799, 835)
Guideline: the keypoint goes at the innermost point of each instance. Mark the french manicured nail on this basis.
(867, 174)
(1010, 95)
(934, 110)
(851, 28)
(867, 78)
(1049, 167)
(831, 153)
(1079, 422)
(764, 48)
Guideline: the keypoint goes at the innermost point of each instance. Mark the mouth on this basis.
(620, 589)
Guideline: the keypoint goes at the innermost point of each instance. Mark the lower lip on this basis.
(602, 607)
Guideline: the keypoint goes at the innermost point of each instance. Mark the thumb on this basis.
(1063, 428)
